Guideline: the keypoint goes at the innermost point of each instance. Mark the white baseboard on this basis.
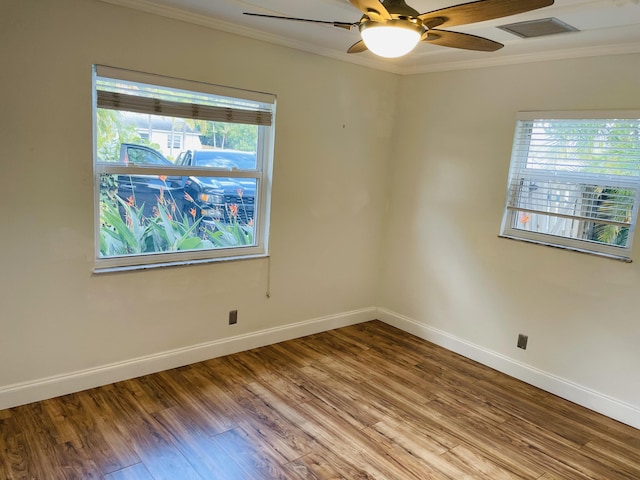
(41, 389)
(561, 387)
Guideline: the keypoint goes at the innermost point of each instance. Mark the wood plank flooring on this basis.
(362, 402)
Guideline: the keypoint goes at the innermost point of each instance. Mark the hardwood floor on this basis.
(362, 402)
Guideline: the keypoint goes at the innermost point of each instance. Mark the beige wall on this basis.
(359, 218)
(333, 130)
(446, 268)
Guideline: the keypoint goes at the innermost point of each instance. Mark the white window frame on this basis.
(628, 182)
(262, 174)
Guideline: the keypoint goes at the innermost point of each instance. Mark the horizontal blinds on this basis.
(590, 147)
(169, 108)
(583, 169)
(127, 90)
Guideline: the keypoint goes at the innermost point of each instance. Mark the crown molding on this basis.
(228, 27)
(565, 54)
(375, 63)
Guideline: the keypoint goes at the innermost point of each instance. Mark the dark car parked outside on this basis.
(146, 190)
(238, 194)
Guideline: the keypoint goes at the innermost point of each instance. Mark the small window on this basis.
(574, 181)
(174, 141)
(152, 210)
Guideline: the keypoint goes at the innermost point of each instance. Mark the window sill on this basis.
(179, 263)
(572, 249)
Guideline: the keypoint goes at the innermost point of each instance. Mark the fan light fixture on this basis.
(392, 39)
(391, 28)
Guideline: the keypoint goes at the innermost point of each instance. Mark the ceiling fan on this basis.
(391, 28)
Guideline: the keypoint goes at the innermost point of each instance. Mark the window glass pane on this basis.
(615, 235)
(147, 214)
(218, 144)
(576, 200)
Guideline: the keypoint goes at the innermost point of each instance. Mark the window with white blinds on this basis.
(574, 181)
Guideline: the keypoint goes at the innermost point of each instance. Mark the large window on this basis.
(574, 181)
(157, 202)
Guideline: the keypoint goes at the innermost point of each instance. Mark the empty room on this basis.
(245, 247)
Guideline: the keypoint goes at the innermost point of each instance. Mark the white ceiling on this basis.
(606, 27)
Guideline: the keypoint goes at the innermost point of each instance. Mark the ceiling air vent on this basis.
(538, 28)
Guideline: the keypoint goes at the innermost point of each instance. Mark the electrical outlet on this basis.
(522, 341)
(233, 317)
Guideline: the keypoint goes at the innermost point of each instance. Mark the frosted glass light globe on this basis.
(390, 41)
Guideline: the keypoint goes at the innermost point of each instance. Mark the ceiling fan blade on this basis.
(447, 38)
(345, 25)
(357, 47)
(372, 9)
(479, 11)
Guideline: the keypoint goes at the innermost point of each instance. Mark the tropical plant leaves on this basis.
(125, 231)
